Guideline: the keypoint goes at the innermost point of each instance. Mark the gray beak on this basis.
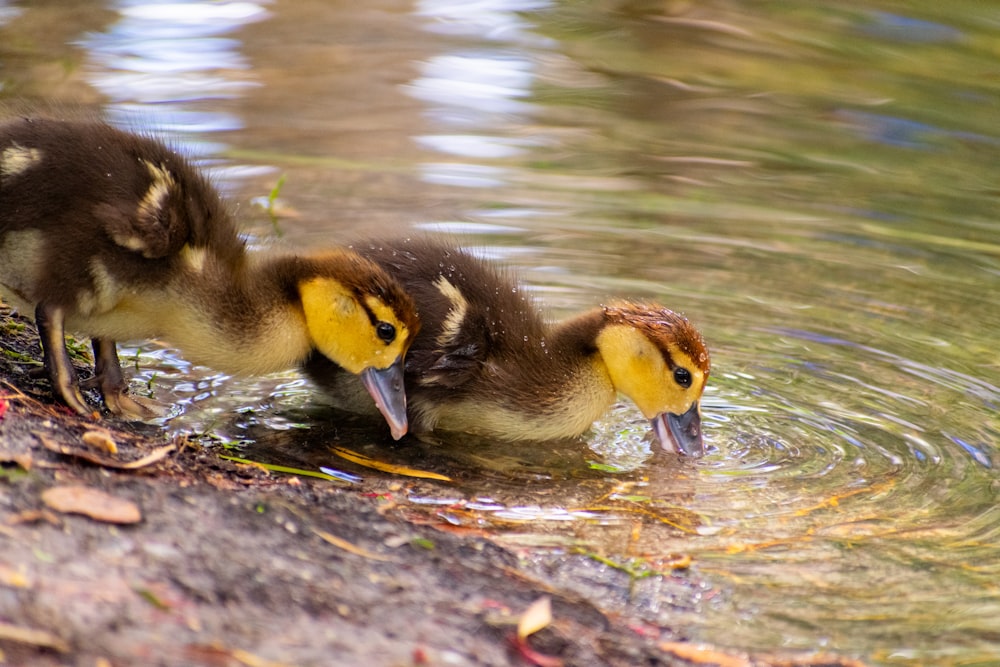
(680, 433)
(386, 387)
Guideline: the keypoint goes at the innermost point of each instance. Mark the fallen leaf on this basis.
(24, 461)
(537, 616)
(210, 654)
(672, 562)
(341, 543)
(367, 462)
(32, 516)
(4, 404)
(809, 660)
(91, 502)
(703, 656)
(40, 638)
(14, 578)
(251, 660)
(104, 461)
(100, 439)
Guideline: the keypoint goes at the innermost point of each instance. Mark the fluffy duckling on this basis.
(115, 236)
(486, 363)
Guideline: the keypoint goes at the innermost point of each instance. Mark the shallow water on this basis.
(815, 187)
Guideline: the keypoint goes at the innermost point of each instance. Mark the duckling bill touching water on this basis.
(115, 236)
(485, 362)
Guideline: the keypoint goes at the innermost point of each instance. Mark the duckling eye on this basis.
(682, 376)
(385, 331)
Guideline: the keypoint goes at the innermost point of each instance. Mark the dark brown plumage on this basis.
(486, 362)
(115, 236)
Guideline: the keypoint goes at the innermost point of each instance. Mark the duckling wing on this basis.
(451, 368)
(151, 235)
(148, 211)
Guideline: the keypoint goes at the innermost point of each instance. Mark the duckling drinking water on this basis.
(115, 236)
(485, 361)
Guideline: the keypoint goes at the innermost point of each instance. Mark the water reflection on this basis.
(886, 25)
(166, 66)
(494, 20)
(480, 88)
(8, 13)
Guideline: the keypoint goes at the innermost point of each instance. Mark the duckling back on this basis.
(472, 312)
(86, 208)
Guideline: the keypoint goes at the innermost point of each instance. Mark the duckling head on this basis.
(658, 359)
(362, 320)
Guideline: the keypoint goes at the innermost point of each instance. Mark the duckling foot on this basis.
(132, 408)
(56, 359)
(109, 379)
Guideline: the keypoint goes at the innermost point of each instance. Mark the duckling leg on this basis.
(51, 331)
(111, 382)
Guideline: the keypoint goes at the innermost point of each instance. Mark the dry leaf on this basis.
(105, 461)
(41, 638)
(100, 440)
(14, 578)
(213, 654)
(91, 502)
(700, 655)
(367, 462)
(24, 461)
(31, 516)
(537, 616)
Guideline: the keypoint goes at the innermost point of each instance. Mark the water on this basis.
(815, 186)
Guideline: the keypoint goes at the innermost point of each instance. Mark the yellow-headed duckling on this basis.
(115, 236)
(485, 362)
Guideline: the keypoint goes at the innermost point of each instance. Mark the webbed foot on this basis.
(132, 408)
(109, 379)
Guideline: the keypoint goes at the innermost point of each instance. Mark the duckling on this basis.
(115, 236)
(485, 362)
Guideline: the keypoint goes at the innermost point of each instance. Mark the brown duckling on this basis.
(485, 362)
(115, 236)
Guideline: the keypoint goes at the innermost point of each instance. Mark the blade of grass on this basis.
(283, 469)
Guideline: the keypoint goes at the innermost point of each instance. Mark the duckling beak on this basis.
(680, 433)
(386, 386)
